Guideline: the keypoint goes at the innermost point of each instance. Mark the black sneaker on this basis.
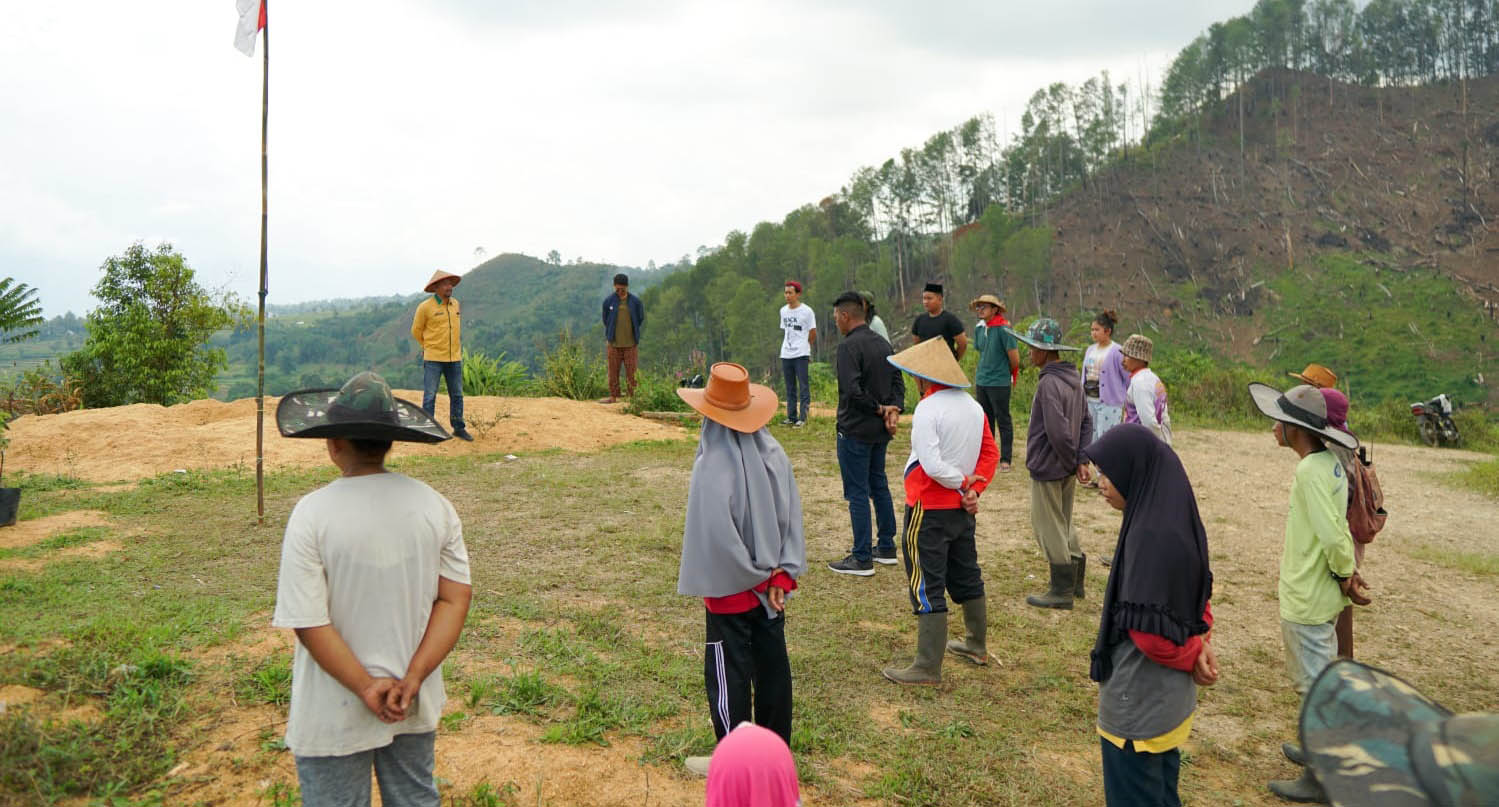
(885, 556)
(852, 565)
(462, 434)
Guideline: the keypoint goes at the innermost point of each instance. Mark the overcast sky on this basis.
(404, 134)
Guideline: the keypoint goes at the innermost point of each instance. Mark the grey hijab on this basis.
(744, 515)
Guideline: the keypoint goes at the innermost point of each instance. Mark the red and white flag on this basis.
(251, 21)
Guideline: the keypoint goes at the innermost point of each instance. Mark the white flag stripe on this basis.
(249, 25)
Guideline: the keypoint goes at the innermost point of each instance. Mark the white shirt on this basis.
(947, 430)
(363, 554)
(797, 323)
(1145, 403)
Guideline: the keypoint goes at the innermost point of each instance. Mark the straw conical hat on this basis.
(441, 275)
(931, 359)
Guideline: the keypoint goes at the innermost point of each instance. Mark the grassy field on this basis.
(139, 635)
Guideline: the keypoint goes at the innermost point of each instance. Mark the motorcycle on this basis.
(1434, 420)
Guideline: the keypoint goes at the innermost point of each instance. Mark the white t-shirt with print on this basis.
(797, 323)
(363, 554)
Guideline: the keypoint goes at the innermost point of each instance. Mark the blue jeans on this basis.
(863, 467)
(795, 371)
(1139, 779)
(403, 769)
(453, 372)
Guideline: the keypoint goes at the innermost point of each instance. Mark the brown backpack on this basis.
(1366, 513)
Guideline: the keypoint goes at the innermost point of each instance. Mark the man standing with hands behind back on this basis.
(870, 396)
(438, 327)
(622, 334)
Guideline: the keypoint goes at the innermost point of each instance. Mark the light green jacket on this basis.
(1318, 543)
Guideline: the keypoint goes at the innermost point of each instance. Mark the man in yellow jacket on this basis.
(438, 327)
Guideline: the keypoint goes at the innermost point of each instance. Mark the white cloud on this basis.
(407, 134)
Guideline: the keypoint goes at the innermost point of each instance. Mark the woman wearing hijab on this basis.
(752, 767)
(742, 550)
(1153, 648)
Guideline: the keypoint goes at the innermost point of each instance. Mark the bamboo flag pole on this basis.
(265, 94)
(252, 21)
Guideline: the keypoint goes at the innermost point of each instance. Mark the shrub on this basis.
(656, 391)
(569, 369)
(485, 375)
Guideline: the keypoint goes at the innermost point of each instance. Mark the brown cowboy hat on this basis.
(932, 360)
(440, 275)
(990, 299)
(730, 400)
(1317, 376)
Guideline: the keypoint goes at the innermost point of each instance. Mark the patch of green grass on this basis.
(268, 682)
(1470, 562)
(526, 693)
(1482, 477)
(64, 540)
(480, 689)
(145, 699)
(485, 794)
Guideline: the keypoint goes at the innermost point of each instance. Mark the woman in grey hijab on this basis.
(742, 550)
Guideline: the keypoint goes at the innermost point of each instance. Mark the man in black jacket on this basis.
(870, 397)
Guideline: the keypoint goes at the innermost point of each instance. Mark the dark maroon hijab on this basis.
(1160, 581)
(1337, 409)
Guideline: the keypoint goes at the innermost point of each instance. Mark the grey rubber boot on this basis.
(1060, 595)
(1294, 753)
(1305, 790)
(976, 624)
(1079, 570)
(926, 668)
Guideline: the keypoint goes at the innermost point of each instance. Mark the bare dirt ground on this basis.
(142, 440)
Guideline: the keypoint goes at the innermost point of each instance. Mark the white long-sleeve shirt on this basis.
(1145, 404)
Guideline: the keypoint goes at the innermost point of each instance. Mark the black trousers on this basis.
(995, 401)
(746, 664)
(941, 558)
(1139, 779)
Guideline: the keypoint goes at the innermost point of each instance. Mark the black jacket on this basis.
(866, 381)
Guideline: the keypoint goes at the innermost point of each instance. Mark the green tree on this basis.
(20, 311)
(148, 339)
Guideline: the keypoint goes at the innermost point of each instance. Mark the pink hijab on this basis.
(1337, 409)
(752, 767)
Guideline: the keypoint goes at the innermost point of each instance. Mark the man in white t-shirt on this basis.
(1145, 399)
(375, 581)
(800, 327)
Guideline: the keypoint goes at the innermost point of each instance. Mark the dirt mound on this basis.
(143, 440)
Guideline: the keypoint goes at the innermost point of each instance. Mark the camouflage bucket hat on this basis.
(1372, 739)
(1045, 334)
(362, 409)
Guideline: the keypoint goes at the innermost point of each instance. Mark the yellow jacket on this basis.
(438, 328)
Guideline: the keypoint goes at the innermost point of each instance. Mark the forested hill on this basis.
(1310, 182)
(512, 304)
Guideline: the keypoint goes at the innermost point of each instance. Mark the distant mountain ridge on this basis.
(512, 304)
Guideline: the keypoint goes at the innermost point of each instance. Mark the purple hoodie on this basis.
(1113, 379)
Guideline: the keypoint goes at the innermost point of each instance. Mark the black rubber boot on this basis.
(976, 624)
(1305, 790)
(926, 668)
(1060, 595)
(1079, 569)
(1294, 753)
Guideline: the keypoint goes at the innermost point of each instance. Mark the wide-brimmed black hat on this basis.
(362, 409)
(1302, 406)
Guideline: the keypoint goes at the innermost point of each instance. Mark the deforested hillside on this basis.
(1322, 219)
